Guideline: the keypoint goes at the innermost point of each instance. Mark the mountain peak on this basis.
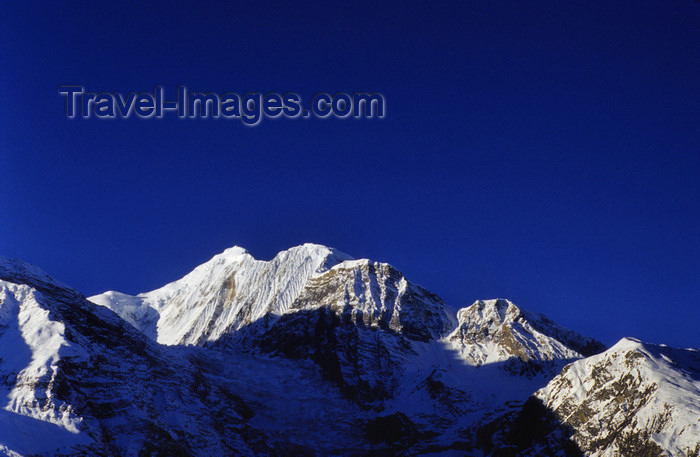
(497, 331)
(229, 291)
(233, 252)
(635, 395)
(492, 312)
(327, 257)
(312, 250)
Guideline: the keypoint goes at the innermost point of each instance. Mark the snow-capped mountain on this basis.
(494, 331)
(77, 380)
(316, 303)
(633, 399)
(222, 295)
(314, 353)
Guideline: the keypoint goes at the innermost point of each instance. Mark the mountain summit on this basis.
(224, 294)
(492, 331)
(233, 290)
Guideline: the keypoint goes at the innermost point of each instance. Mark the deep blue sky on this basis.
(545, 152)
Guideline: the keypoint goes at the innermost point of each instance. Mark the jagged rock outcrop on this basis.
(497, 331)
(635, 399)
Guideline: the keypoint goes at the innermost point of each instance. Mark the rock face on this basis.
(634, 399)
(497, 331)
(357, 321)
(377, 296)
(314, 353)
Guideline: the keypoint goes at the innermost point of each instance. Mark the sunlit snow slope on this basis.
(222, 295)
